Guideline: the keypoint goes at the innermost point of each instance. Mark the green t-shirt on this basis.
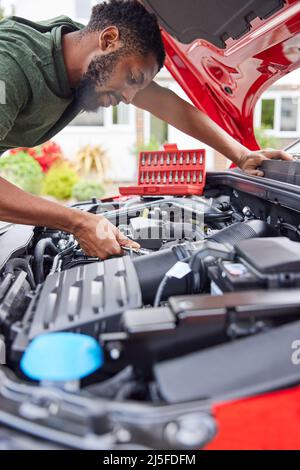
(36, 101)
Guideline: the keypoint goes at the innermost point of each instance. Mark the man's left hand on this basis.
(250, 163)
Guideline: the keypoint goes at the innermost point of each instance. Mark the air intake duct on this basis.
(151, 269)
(243, 231)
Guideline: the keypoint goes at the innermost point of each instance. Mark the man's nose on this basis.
(128, 96)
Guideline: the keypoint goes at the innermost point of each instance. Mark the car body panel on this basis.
(265, 422)
(227, 83)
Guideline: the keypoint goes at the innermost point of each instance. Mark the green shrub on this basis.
(59, 181)
(152, 146)
(86, 190)
(265, 140)
(22, 170)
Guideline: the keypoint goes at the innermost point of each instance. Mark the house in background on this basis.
(120, 130)
(278, 110)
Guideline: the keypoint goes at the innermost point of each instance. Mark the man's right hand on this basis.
(98, 237)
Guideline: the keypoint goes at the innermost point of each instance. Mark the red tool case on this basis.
(169, 172)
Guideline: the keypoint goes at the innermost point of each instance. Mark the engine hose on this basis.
(218, 217)
(21, 263)
(152, 269)
(45, 245)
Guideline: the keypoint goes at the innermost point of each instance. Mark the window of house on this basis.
(268, 113)
(121, 115)
(289, 114)
(89, 119)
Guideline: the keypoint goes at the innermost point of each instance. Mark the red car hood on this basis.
(226, 53)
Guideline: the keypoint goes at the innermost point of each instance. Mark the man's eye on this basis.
(132, 80)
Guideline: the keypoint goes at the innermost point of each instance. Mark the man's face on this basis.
(113, 78)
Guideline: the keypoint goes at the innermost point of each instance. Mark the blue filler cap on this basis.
(61, 357)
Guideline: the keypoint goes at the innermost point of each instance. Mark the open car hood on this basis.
(225, 54)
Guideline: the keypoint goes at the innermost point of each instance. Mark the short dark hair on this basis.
(139, 29)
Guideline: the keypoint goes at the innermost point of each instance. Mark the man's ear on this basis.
(109, 39)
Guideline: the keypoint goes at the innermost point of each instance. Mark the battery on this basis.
(281, 170)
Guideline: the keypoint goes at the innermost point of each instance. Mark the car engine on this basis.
(212, 271)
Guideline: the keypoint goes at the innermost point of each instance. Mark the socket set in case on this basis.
(169, 172)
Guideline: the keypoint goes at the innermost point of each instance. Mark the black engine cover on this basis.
(87, 299)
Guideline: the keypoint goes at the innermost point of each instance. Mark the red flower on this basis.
(46, 161)
(45, 155)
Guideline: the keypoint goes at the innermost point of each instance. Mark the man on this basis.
(53, 70)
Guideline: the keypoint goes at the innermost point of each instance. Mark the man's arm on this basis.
(169, 107)
(96, 235)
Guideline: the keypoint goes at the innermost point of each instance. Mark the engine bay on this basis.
(213, 274)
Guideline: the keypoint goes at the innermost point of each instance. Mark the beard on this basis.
(98, 74)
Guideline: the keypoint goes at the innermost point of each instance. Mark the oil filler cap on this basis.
(61, 357)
